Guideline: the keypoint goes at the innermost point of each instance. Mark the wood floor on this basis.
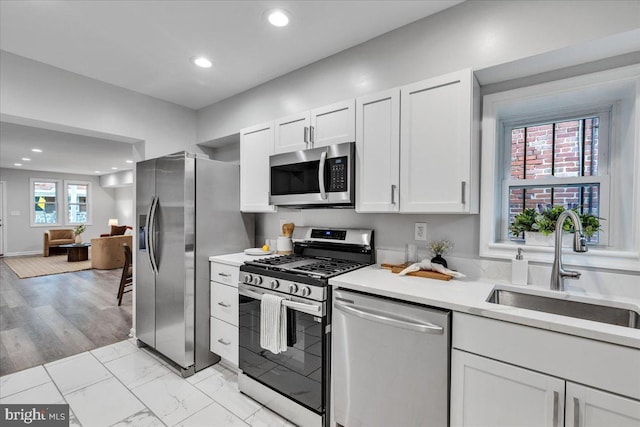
(47, 318)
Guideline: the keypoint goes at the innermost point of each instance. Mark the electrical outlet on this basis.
(420, 231)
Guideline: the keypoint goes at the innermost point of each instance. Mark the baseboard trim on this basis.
(10, 254)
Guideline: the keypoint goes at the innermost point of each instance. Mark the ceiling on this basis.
(61, 152)
(146, 45)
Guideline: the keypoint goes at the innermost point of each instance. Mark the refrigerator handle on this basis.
(151, 226)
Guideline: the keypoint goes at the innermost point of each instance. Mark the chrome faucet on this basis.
(558, 273)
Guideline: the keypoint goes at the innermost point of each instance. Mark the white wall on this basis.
(497, 37)
(124, 205)
(33, 92)
(21, 236)
(476, 34)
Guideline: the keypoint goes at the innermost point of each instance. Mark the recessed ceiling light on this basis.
(17, 164)
(97, 171)
(128, 161)
(278, 17)
(36, 150)
(26, 159)
(114, 168)
(201, 62)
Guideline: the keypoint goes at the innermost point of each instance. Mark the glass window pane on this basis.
(584, 198)
(517, 153)
(539, 151)
(45, 202)
(77, 193)
(590, 166)
(568, 149)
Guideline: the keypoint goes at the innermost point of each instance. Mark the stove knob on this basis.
(248, 278)
(257, 280)
(275, 284)
(306, 291)
(293, 288)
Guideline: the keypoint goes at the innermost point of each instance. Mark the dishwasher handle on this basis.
(389, 319)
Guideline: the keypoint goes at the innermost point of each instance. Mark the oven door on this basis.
(299, 372)
(316, 177)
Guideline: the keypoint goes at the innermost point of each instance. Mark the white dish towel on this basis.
(273, 324)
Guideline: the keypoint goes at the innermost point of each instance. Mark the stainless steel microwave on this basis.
(318, 177)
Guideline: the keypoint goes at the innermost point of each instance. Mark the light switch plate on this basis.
(420, 231)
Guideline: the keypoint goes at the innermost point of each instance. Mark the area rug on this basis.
(34, 266)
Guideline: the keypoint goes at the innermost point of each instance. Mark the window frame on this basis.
(618, 87)
(32, 212)
(604, 114)
(89, 202)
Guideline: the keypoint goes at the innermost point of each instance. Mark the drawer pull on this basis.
(224, 304)
(223, 342)
(224, 274)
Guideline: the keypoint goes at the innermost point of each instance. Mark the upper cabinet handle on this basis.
(464, 192)
(306, 135)
(393, 194)
(312, 136)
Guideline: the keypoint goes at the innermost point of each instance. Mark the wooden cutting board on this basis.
(397, 268)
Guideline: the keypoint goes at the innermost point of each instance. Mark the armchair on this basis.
(107, 253)
(56, 237)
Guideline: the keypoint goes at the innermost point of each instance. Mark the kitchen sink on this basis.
(595, 311)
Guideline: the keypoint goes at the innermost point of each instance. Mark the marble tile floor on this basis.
(123, 385)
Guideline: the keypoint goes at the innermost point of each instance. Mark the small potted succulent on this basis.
(439, 248)
(78, 232)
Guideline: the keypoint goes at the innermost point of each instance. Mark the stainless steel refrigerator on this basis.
(187, 209)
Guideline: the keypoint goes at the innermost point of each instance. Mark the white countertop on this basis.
(237, 259)
(468, 296)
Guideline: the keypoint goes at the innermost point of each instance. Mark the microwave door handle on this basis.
(323, 159)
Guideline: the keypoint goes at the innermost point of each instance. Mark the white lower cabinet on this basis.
(224, 312)
(485, 392)
(588, 407)
(503, 374)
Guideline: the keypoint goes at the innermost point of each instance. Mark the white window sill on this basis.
(596, 257)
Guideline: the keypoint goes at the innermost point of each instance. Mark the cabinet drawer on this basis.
(224, 303)
(224, 273)
(224, 340)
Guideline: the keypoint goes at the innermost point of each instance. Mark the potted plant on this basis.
(439, 248)
(530, 222)
(78, 232)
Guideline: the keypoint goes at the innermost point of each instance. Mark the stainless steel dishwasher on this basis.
(390, 362)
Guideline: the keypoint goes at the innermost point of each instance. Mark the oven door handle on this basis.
(312, 309)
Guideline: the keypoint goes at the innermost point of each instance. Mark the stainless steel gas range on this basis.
(295, 383)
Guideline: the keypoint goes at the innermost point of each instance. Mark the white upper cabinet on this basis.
(256, 145)
(439, 145)
(292, 133)
(378, 152)
(331, 124)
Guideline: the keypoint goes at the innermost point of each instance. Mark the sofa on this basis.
(56, 237)
(107, 252)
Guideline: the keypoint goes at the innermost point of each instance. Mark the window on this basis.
(57, 204)
(573, 142)
(558, 162)
(77, 202)
(44, 196)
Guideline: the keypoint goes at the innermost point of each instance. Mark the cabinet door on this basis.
(256, 145)
(587, 407)
(333, 124)
(224, 303)
(485, 392)
(378, 152)
(224, 340)
(292, 133)
(439, 158)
